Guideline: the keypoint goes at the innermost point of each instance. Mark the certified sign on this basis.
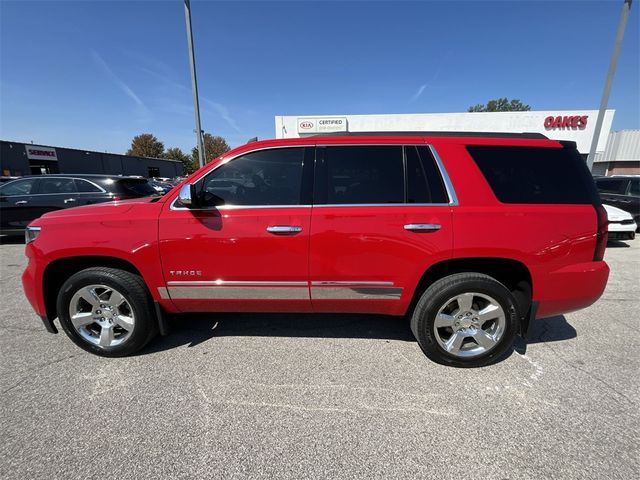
(322, 125)
(41, 153)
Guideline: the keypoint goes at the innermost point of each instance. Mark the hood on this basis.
(615, 214)
(118, 207)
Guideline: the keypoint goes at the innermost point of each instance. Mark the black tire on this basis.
(434, 297)
(132, 288)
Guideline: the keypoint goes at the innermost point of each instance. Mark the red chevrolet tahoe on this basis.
(472, 236)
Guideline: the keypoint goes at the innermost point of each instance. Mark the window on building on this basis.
(153, 172)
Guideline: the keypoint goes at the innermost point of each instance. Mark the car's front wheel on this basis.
(106, 311)
(465, 320)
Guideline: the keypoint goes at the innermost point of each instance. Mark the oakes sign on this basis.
(572, 121)
(41, 153)
(322, 125)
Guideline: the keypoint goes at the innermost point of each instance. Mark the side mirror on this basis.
(188, 196)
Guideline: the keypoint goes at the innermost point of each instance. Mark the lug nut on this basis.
(98, 312)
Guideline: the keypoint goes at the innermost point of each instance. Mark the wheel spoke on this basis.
(454, 343)
(489, 312)
(82, 319)
(90, 296)
(106, 336)
(115, 299)
(484, 339)
(465, 301)
(124, 321)
(444, 320)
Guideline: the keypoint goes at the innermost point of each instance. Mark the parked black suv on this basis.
(27, 198)
(623, 192)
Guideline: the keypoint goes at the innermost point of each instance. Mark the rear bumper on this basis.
(570, 288)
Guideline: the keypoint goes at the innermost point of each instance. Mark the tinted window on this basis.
(139, 187)
(55, 185)
(267, 177)
(364, 174)
(18, 187)
(535, 174)
(634, 189)
(611, 185)
(86, 187)
(424, 183)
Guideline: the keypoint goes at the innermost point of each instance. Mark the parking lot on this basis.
(322, 396)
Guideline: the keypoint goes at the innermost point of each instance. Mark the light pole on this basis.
(626, 7)
(194, 82)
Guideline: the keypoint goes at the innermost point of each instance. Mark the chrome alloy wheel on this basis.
(469, 324)
(101, 315)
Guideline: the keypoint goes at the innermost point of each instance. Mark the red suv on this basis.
(472, 236)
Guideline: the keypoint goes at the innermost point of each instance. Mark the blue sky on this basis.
(94, 74)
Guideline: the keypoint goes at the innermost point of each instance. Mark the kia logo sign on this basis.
(573, 121)
(306, 125)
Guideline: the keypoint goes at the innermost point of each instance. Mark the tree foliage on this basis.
(214, 146)
(146, 145)
(176, 153)
(501, 105)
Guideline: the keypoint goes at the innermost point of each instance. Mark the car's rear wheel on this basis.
(465, 320)
(106, 311)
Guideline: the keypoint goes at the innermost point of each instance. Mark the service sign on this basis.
(322, 125)
(35, 152)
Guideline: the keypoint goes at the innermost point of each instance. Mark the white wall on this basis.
(532, 121)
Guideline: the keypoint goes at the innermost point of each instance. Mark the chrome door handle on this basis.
(21, 202)
(423, 227)
(283, 229)
(69, 200)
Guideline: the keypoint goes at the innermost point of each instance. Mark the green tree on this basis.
(146, 145)
(176, 154)
(501, 105)
(214, 146)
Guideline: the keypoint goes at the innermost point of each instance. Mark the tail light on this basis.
(603, 232)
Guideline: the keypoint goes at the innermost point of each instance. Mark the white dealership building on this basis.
(575, 125)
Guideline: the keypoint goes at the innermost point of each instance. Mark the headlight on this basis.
(30, 234)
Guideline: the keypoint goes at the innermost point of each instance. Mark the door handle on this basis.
(283, 229)
(69, 200)
(21, 202)
(422, 227)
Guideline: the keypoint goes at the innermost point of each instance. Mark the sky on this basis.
(92, 75)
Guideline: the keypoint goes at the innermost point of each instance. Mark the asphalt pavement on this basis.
(322, 396)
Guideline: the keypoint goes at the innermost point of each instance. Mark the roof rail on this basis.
(437, 134)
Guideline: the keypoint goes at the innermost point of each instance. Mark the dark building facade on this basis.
(18, 159)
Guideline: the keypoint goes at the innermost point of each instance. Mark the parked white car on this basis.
(621, 224)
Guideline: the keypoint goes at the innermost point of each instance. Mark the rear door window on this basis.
(54, 185)
(634, 189)
(424, 183)
(363, 175)
(540, 175)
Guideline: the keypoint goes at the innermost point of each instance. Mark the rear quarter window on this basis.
(136, 186)
(538, 175)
